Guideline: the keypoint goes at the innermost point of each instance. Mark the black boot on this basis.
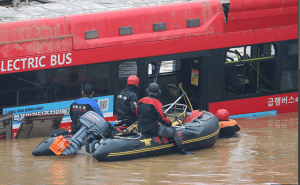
(179, 145)
(182, 151)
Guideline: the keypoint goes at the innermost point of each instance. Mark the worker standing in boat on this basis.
(149, 113)
(126, 102)
(83, 105)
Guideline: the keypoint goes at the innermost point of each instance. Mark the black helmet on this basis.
(153, 89)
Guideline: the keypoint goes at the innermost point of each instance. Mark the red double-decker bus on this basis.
(238, 55)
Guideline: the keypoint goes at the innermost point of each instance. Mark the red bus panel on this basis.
(141, 20)
(281, 102)
(258, 14)
(33, 37)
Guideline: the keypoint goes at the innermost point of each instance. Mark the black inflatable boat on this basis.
(201, 132)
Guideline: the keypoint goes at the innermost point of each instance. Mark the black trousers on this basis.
(170, 132)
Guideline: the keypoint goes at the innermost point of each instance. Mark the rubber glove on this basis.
(112, 123)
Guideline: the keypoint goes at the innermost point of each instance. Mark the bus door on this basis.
(194, 79)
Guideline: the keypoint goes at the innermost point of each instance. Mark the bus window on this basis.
(8, 99)
(67, 82)
(168, 74)
(42, 77)
(127, 68)
(23, 88)
(101, 87)
(289, 73)
(102, 71)
(99, 77)
(236, 54)
(165, 67)
(289, 80)
(293, 49)
(249, 70)
(33, 96)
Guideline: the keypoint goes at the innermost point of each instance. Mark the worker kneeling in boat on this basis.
(83, 105)
(126, 102)
(149, 113)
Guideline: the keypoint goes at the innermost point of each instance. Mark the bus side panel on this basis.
(257, 14)
(106, 25)
(96, 55)
(280, 102)
(33, 37)
(215, 75)
(194, 44)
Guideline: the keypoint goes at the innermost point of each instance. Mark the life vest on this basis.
(228, 123)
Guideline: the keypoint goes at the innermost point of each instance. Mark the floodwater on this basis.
(265, 152)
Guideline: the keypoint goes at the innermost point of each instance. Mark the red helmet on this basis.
(222, 114)
(134, 80)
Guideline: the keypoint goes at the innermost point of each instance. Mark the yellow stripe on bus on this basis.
(250, 59)
(162, 146)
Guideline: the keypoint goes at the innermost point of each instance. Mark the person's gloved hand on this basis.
(175, 119)
(112, 123)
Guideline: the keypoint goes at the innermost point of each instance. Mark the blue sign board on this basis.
(105, 103)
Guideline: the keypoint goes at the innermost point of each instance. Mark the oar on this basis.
(119, 121)
(174, 102)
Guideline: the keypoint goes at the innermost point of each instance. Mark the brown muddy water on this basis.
(265, 152)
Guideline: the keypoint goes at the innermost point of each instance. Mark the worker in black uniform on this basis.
(82, 105)
(126, 102)
(149, 112)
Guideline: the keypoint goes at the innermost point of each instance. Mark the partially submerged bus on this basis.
(238, 55)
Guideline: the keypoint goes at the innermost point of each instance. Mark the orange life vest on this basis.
(228, 123)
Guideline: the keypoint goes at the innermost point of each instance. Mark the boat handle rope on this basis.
(177, 127)
(124, 137)
(186, 98)
(198, 120)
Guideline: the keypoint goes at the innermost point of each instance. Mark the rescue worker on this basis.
(126, 102)
(222, 115)
(82, 105)
(149, 113)
(228, 127)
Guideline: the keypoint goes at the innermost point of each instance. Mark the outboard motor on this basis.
(93, 127)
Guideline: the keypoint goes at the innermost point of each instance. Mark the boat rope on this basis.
(182, 126)
(186, 98)
(200, 121)
(129, 138)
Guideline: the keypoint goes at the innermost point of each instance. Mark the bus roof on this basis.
(57, 8)
(194, 26)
